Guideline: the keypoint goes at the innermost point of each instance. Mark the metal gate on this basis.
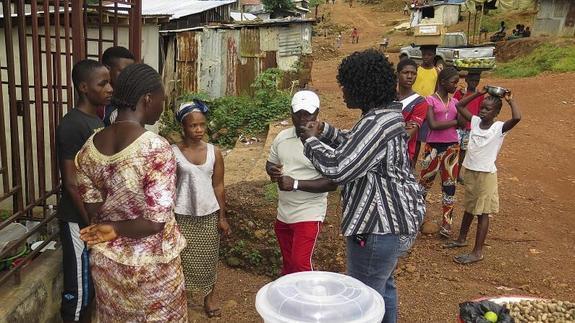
(42, 39)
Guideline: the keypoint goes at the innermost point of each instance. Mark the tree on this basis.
(314, 4)
(275, 5)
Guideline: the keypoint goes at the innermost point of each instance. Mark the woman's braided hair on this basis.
(133, 82)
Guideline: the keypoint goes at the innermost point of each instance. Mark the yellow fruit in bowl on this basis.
(491, 316)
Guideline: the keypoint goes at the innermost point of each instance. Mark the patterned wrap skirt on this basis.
(148, 293)
(200, 257)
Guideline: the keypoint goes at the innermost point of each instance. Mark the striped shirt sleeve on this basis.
(357, 153)
(332, 136)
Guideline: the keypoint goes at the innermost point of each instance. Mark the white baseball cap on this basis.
(305, 100)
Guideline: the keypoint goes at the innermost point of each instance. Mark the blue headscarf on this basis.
(189, 107)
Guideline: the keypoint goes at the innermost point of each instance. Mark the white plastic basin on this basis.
(318, 296)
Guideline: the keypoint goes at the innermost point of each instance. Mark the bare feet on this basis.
(211, 309)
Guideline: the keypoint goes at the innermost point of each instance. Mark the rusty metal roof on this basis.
(255, 23)
(180, 8)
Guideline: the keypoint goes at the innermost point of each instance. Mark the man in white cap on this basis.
(302, 200)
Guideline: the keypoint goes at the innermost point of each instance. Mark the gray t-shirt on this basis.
(73, 131)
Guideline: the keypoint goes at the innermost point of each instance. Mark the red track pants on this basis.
(297, 242)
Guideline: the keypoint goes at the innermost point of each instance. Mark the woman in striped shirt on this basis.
(383, 205)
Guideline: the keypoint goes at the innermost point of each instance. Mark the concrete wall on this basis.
(37, 298)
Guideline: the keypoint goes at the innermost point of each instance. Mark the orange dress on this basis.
(136, 280)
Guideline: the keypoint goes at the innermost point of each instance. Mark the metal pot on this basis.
(496, 90)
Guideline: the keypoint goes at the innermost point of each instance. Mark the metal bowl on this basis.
(497, 90)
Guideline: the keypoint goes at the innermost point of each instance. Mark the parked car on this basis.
(456, 51)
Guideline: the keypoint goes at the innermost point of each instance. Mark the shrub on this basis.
(232, 116)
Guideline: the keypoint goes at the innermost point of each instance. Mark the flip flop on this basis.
(466, 259)
(445, 233)
(455, 244)
(214, 313)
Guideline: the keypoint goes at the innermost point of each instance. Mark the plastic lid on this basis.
(318, 296)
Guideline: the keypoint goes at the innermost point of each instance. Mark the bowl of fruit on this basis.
(471, 64)
(522, 309)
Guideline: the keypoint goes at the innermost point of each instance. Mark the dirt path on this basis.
(530, 241)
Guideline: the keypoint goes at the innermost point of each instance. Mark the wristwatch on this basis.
(295, 184)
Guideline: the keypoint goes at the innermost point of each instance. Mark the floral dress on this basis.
(136, 280)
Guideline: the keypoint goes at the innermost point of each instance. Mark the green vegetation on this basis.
(271, 192)
(275, 5)
(232, 116)
(547, 57)
(492, 21)
(314, 3)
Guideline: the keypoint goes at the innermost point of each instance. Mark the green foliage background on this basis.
(232, 116)
(547, 57)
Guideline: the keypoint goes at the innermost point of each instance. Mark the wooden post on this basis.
(78, 40)
(480, 22)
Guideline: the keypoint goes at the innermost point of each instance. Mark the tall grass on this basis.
(547, 57)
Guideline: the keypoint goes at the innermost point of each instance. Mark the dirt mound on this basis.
(508, 50)
(323, 51)
(253, 245)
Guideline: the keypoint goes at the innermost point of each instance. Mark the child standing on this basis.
(415, 106)
(92, 83)
(200, 203)
(481, 195)
(354, 36)
(472, 79)
(441, 153)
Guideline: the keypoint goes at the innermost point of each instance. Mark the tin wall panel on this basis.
(269, 39)
(232, 62)
(290, 42)
(187, 61)
(246, 73)
(269, 60)
(210, 66)
(250, 42)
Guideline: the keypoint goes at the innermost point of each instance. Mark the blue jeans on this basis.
(374, 264)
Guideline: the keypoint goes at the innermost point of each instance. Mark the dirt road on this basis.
(530, 242)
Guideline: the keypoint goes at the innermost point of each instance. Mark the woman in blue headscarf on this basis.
(200, 202)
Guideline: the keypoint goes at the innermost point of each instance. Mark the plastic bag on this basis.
(472, 312)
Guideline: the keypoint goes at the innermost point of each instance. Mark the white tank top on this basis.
(194, 191)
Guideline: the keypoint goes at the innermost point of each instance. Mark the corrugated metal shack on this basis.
(555, 17)
(442, 12)
(225, 59)
(189, 13)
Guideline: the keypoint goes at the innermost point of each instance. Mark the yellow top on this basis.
(425, 82)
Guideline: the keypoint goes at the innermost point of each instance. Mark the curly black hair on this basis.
(368, 78)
